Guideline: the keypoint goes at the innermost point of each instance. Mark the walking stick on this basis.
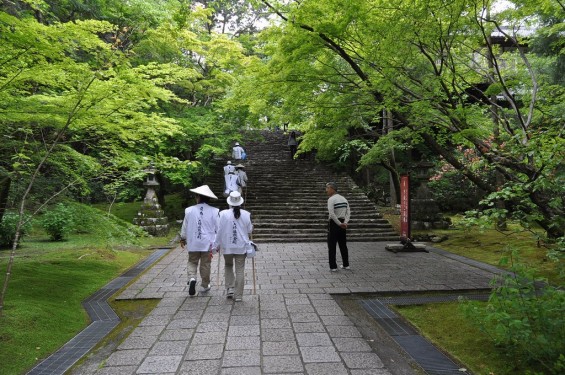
(253, 268)
(252, 259)
(219, 260)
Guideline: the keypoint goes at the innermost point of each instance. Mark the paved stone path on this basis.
(290, 325)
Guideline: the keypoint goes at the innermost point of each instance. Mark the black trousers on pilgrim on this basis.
(337, 235)
(293, 149)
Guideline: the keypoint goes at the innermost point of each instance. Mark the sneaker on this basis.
(333, 269)
(344, 268)
(204, 289)
(192, 287)
(229, 293)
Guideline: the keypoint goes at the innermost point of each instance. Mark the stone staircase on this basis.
(287, 198)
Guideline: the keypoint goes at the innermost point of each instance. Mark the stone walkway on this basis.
(291, 325)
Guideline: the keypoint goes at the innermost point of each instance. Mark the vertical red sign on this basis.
(404, 207)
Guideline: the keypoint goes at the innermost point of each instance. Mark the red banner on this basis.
(404, 207)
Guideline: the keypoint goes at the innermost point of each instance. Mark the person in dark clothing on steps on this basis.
(339, 214)
(292, 144)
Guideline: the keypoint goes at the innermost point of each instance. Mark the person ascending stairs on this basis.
(197, 234)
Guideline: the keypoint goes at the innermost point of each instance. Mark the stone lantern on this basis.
(151, 216)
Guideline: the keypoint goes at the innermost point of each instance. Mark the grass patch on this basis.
(124, 210)
(490, 246)
(39, 244)
(392, 216)
(43, 308)
(49, 281)
(461, 339)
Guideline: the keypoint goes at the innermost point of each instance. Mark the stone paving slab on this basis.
(288, 324)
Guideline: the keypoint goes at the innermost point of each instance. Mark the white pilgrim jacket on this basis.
(236, 152)
(229, 238)
(199, 227)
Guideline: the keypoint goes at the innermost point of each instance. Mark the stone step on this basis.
(288, 172)
(311, 215)
(301, 202)
(307, 220)
(293, 210)
(354, 228)
(304, 220)
(286, 190)
(322, 238)
(322, 224)
(317, 232)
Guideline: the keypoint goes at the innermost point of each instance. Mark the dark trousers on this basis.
(337, 235)
(293, 149)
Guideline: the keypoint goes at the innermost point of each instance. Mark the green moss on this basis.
(446, 326)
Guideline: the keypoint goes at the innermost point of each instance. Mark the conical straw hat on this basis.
(205, 191)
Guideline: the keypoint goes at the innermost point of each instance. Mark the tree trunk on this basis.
(555, 227)
(394, 198)
(394, 181)
(393, 173)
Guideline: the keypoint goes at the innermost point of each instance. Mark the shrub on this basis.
(8, 229)
(455, 193)
(525, 320)
(57, 222)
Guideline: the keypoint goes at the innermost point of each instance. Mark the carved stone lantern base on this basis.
(150, 216)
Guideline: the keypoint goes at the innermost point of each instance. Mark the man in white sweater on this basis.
(339, 214)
